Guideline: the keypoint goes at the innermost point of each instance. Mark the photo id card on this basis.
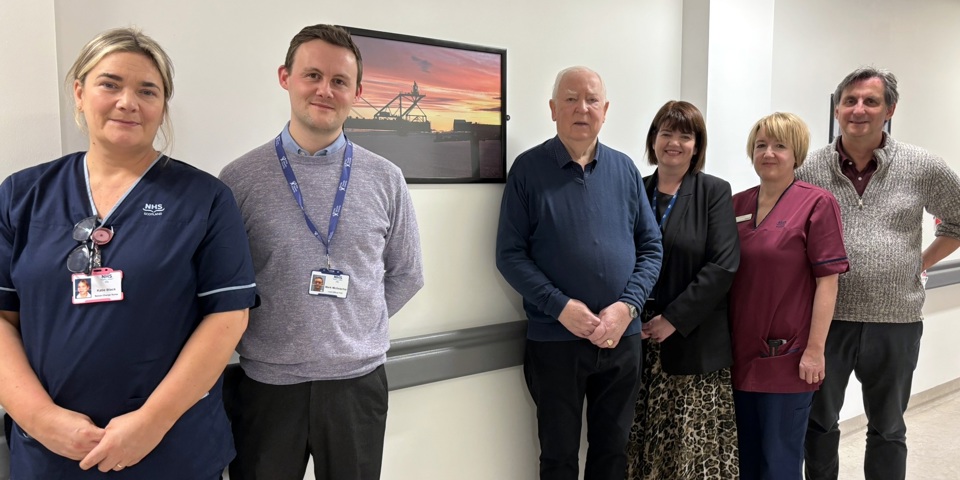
(332, 283)
(102, 285)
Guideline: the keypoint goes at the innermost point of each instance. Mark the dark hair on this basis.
(332, 34)
(890, 94)
(682, 116)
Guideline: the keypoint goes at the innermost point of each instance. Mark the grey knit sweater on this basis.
(882, 230)
(296, 337)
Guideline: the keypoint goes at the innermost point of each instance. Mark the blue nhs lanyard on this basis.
(337, 200)
(653, 203)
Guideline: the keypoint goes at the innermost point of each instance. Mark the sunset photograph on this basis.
(433, 109)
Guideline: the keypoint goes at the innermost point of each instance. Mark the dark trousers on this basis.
(770, 430)
(340, 422)
(7, 427)
(559, 376)
(883, 356)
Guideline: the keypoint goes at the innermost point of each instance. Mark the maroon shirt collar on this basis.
(860, 179)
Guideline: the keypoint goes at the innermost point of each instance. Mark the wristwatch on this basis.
(634, 313)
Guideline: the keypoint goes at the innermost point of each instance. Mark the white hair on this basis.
(565, 71)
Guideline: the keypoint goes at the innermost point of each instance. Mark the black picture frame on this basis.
(834, 131)
(435, 108)
(835, 127)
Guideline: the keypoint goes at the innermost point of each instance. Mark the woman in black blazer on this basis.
(685, 426)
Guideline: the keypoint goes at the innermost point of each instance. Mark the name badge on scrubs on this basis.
(333, 283)
(744, 218)
(102, 285)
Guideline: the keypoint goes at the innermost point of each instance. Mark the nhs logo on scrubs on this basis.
(153, 209)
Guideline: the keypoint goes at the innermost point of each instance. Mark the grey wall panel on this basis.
(442, 356)
(432, 358)
(946, 273)
(4, 458)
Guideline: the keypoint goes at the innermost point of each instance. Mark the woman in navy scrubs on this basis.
(126, 381)
(782, 299)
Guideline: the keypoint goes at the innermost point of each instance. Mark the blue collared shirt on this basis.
(291, 146)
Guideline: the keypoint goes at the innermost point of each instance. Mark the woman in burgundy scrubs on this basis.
(782, 299)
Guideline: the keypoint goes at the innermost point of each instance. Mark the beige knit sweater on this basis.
(882, 229)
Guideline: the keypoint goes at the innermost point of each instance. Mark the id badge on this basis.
(333, 283)
(102, 285)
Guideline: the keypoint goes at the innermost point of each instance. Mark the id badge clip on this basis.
(102, 285)
(325, 281)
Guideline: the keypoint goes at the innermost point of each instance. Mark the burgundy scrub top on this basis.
(772, 295)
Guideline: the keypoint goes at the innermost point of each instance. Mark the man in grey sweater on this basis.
(329, 278)
(883, 187)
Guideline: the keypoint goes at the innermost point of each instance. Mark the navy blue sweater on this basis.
(567, 232)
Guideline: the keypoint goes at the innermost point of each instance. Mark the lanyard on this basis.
(337, 200)
(653, 203)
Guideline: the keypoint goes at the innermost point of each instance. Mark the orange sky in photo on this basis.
(457, 84)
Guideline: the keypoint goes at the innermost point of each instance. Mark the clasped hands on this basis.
(657, 328)
(603, 330)
(122, 443)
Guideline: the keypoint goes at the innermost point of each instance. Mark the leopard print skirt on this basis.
(685, 427)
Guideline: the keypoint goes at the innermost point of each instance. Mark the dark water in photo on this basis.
(420, 157)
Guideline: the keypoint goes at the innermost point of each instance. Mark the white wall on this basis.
(818, 42)
(29, 117)
(738, 84)
(695, 53)
(479, 427)
(789, 55)
(227, 101)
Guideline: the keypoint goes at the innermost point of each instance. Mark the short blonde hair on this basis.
(787, 128)
(130, 40)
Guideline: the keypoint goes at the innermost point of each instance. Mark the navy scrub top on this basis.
(180, 241)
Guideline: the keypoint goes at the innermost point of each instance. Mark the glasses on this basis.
(86, 256)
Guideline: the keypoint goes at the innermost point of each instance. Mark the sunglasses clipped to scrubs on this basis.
(86, 256)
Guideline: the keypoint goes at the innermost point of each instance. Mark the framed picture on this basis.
(835, 126)
(434, 108)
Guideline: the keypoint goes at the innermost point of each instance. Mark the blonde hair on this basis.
(784, 127)
(131, 40)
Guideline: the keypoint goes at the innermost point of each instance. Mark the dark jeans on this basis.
(559, 376)
(770, 430)
(883, 356)
(340, 422)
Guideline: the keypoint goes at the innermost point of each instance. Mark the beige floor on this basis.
(933, 437)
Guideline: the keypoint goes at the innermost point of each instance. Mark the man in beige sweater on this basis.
(883, 187)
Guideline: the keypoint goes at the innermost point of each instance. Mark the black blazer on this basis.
(701, 252)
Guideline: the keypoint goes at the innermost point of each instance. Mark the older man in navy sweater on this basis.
(577, 239)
